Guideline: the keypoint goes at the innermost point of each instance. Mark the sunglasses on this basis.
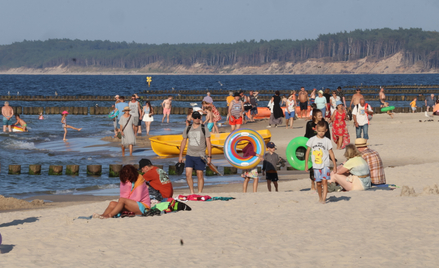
(196, 117)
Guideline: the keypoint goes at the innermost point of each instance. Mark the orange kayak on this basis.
(264, 112)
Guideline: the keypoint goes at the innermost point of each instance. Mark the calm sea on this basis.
(43, 143)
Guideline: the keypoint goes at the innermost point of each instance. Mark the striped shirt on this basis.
(376, 167)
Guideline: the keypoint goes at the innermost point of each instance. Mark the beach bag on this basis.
(153, 193)
(119, 134)
(247, 106)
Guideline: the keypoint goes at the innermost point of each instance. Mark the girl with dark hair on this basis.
(134, 195)
(147, 116)
(277, 114)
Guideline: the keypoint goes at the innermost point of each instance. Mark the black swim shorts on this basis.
(304, 106)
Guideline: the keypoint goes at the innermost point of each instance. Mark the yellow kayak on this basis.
(170, 144)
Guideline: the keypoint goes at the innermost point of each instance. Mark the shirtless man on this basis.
(356, 99)
(303, 102)
(7, 113)
(167, 105)
(382, 97)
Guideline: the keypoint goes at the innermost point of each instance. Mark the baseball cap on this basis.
(271, 145)
(236, 94)
(196, 115)
(144, 162)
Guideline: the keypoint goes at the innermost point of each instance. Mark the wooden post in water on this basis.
(172, 170)
(14, 169)
(55, 170)
(230, 170)
(94, 170)
(210, 172)
(34, 169)
(72, 170)
(115, 170)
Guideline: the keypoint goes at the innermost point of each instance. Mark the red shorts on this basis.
(235, 121)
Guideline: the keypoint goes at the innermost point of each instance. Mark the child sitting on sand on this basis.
(386, 104)
(321, 149)
(209, 118)
(271, 159)
(20, 122)
(65, 126)
(413, 105)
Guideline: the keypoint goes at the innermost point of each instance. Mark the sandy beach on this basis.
(374, 228)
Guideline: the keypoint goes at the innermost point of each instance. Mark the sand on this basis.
(285, 229)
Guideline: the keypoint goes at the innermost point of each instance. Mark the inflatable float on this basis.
(296, 151)
(236, 138)
(113, 114)
(386, 109)
(264, 112)
(17, 129)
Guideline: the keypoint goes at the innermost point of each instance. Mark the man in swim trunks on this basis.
(7, 113)
(430, 102)
(20, 122)
(382, 97)
(167, 105)
(303, 102)
(356, 99)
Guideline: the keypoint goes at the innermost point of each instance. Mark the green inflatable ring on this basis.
(295, 147)
(385, 109)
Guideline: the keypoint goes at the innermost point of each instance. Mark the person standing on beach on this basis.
(197, 138)
(236, 112)
(355, 99)
(136, 112)
(126, 129)
(139, 125)
(278, 114)
(167, 105)
(271, 159)
(254, 104)
(320, 148)
(208, 98)
(360, 115)
(303, 102)
(120, 105)
(341, 95)
(413, 105)
(430, 102)
(290, 112)
(333, 100)
(7, 113)
(382, 97)
(229, 99)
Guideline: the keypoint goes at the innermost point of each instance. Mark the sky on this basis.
(205, 21)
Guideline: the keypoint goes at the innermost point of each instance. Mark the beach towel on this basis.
(220, 198)
(194, 197)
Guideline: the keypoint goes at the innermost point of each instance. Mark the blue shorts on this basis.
(7, 122)
(142, 208)
(322, 174)
(254, 111)
(195, 162)
(210, 126)
(289, 115)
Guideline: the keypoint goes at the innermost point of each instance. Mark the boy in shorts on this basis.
(321, 149)
(271, 159)
(20, 122)
(167, 105)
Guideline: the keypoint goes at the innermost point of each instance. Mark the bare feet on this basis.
(79, 129)
(65, 140)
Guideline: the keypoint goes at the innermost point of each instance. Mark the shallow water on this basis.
(43, 143)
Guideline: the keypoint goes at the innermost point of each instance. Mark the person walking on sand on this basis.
(167, 105)
(303, 102)
(290, 112)
(197, 138)
(126, 130)
(254, 104)
(236, 112)
(148, 117)
(341, 95)
(120, 105)
(340, 131)
(136, 112)
(7, 113)
(382, 96)
(355, 99)
(209, 118)
(65, 126)
(320, 148)
(413, 104)
(333, 100)
(271, 159)
(360, 115)
(250, 174)
(278, 114)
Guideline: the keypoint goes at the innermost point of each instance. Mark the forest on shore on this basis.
(417, 47)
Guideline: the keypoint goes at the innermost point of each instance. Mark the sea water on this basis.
(43, 143)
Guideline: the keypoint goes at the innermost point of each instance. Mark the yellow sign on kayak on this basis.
(148, 80)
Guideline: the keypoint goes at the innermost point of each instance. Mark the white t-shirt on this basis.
(319, 151)
(362, 117)
(290, 104)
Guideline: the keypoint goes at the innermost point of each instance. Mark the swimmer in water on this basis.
(41, 116)
(65, 126)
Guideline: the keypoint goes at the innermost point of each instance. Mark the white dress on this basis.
(146, 117)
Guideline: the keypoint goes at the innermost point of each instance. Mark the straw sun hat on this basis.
(361, 142)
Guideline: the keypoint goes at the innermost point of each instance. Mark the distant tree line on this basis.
(417, 46)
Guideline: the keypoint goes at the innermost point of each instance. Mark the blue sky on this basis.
(205, 21)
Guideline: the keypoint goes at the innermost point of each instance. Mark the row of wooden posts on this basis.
(157, 110)
(96, 170)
